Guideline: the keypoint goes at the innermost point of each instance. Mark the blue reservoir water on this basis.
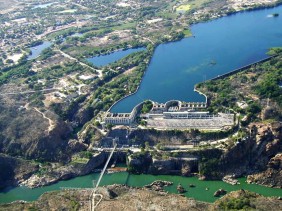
(77, 35)
(109, 58)
(36, 50)
(218, 47)
(42, 5)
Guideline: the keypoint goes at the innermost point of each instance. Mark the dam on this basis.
(173, 114)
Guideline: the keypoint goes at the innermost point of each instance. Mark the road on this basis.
(51, 122)
(29, 92)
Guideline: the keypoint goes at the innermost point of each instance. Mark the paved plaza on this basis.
(214, 123)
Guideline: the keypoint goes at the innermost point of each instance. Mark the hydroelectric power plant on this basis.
(173, 114)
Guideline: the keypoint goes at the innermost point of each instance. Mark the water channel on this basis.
(112, 57)
(199, 192)
(42, 5)
(36, 50)
(218, 47)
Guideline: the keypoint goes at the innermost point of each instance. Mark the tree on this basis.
(147, 145)
(9, 61)
(147, 106)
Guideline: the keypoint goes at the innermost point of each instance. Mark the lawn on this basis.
(184, 7)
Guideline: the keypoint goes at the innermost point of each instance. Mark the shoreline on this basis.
(261, 7)
(186, 181)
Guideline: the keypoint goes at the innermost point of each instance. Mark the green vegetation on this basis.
(241, 203)
(184, 7)
(35, 43)
(210, 168)
(270, 86)
(147, 106)
(10, 73)
(253, 86)
(128, 25)
(145, 161)
(120, 84)
(187, 32)
(274, 51)
(82, 157)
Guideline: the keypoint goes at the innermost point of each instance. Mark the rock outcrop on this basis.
(180, 189)
(28, 133)
(219, 192)
(121, 197)
(272, 176)
(246, 200)
(66, 172)
(146, 163)
(178, 166)
(115, 197)
(158, 185)
(14, 170)
(249, 155)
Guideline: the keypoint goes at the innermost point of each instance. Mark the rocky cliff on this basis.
(272, 176)
(27, 133)
(170, 166)
(245, 156)
(254, 153)
(154, 163)
(15, 170)
(67, 171)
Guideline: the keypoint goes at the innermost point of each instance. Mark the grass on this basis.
(187, 33)
(57, 33)
(80, 160)
(184, 7)
(269, 121)
(197, 3)
(167, 15)
(128, 25)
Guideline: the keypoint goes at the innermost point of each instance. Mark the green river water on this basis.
(199, 192)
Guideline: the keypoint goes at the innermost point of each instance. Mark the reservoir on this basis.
(103, 60)
(219, 46)
(199, 192)
(36, 50)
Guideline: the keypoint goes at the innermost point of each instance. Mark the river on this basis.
(218, 47)
(199, 192)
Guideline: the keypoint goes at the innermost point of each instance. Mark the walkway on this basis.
(146, 38)
(100, 74)
(51, 122)
(29, 92)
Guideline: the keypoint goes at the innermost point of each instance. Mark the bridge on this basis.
(94, 194)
